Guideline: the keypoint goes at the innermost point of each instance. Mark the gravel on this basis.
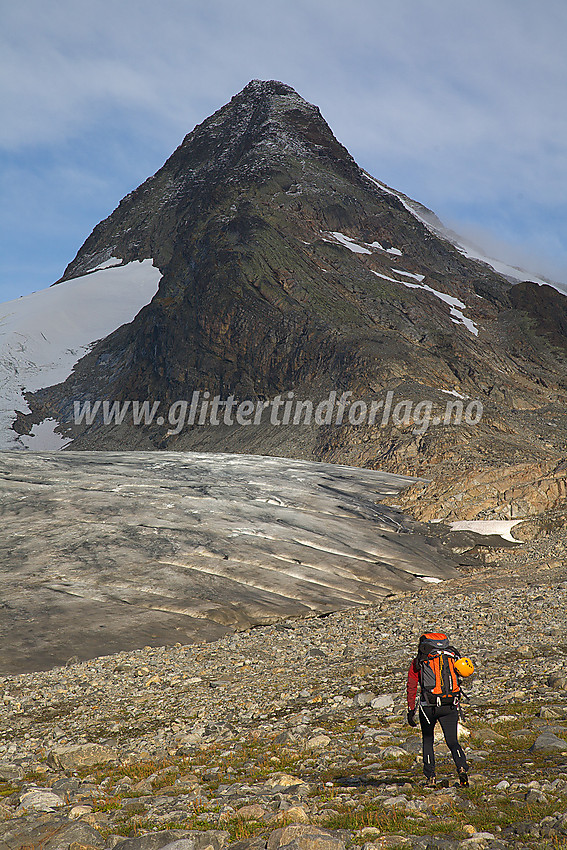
(225, 744)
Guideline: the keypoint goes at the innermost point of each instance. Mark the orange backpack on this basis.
(437, 675)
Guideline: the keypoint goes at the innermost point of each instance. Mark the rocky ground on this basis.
(294, 735)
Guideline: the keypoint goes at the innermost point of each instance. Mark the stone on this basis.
(305, 837)
(49, 832)
(393, 752)
(363, 698)
(177, 840)
(78, 811)
(535, 796)
(369, 832)
(295, 814)
(525, 651)
(486, 734)
(438, 800)
(318, 742)
(98, 820)
(251, 812)
(413, 745)
(549, 742)
(283, 780)
(40, 800)
(75, 757)
(10, 772)
(384, 701)
(79, 845)
(395, 802)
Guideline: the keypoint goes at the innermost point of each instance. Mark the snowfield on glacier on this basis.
(43, 335)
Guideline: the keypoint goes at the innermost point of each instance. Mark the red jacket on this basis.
(413, 682)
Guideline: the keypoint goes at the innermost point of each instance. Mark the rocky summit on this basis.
(288, 272)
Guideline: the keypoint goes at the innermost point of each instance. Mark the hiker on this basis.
(437, 669)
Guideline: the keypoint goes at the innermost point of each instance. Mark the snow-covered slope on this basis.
(472, 252)
(43, 335)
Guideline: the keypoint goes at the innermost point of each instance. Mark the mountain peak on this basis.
(272, 96)
(265, 122)
(289, 273)
(266, 129)
(267, 88)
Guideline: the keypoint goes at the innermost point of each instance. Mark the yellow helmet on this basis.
(464, 667)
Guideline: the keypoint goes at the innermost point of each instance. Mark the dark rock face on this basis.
(254, 139)
(546, 309)
(287, 268)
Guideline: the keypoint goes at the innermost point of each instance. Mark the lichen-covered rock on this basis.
(305, 837)
(176, 840)
(80, 756)
(50, 832)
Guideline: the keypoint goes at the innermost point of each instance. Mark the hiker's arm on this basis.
(413, 682)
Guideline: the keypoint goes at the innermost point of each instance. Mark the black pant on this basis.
(447, 715)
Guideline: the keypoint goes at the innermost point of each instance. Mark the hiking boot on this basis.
(430, 782)
(463, 778)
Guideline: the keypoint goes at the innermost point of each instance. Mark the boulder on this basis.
(305, 837)
(548, 742)
(177, 839)
(48, 831)
(10, 772)
(253, 811)
(283, 780)
(318, 742)
(40, 800)
(384, 701)
(82, 755)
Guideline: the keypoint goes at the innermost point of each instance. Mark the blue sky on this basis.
(460, 105)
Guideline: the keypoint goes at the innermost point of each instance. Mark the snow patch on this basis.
(43, 437)
(42, 336)
(353, 246)
(385, 277)
(458, 318)
(500, 527)
(434, 225)
(430, 579)
(455, 393)
(349, 243)
(395, 251)
(513, 272)
(456, 306)
(418, 277)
